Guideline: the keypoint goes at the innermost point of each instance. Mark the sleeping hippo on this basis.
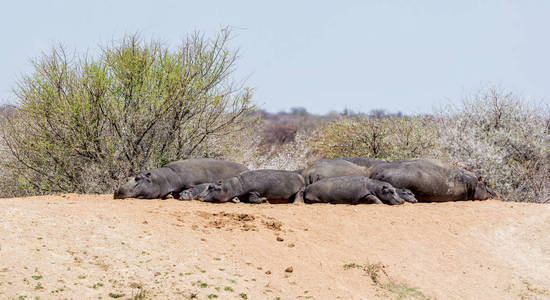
(362, 161)
(326, 168)
(258, 186)
(351, 190)
(195, 192)
(432, 180)
(177, 176)
(406, 195)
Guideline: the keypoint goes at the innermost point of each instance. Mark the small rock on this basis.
(289, 270)
(145, 222)
(291, 245)
(268, 272)
(157, 273)
(280, 239)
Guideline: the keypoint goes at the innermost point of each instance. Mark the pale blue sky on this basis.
(405, 56)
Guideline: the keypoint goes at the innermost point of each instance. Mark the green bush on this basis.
(382, 138)
(83, 124)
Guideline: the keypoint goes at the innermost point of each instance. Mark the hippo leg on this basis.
(254, 197)
(372, 199)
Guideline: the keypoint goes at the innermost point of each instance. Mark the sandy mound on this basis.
(90, 247)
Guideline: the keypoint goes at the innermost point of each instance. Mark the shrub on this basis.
(496, 134)
(279, 132)
(82, 124)
(247, 147)
(382, 138)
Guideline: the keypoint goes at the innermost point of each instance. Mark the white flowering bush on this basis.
(502, 137)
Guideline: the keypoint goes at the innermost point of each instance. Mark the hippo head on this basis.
(388, 194)
(197, 192)
(187, 195)
(217, 193)
(482, 190)
(141, 186)
(406, 195)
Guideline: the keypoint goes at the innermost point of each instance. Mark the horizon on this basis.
(398, 56)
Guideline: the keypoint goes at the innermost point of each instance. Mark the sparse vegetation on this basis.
(97, 285)
(228, 289)
(116, 295)
(381, 279)
(404, 292)
(140, 295)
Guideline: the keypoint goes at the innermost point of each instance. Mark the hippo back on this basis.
(273, 184)
(202, 170)
(429, 180)
(364, 161)
(342, 189)
(327, 168)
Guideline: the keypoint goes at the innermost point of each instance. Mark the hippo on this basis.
(407, 195)
(195, 192)
(351, 190)
(362, 161)
(177, 176)
(258, 186)
(326, 168)
(432, 180)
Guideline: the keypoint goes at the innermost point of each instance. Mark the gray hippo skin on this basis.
(257, 186)
(406, 195)
(177, 176)
(327, 168)
(362, 161)
(195, 192)
(432, 180)
(351, 190)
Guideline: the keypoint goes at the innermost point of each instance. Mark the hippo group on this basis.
(349, 180)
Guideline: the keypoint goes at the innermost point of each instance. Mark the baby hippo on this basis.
(195, 192)
(351, 190)
(406, 195)
(258, 186)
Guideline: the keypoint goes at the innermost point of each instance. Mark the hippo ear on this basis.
(148, 175)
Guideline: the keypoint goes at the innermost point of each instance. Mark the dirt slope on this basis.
(87, 247)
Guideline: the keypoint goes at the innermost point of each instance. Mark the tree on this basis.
(82, 124)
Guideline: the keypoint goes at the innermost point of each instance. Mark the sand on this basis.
(93, 247)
